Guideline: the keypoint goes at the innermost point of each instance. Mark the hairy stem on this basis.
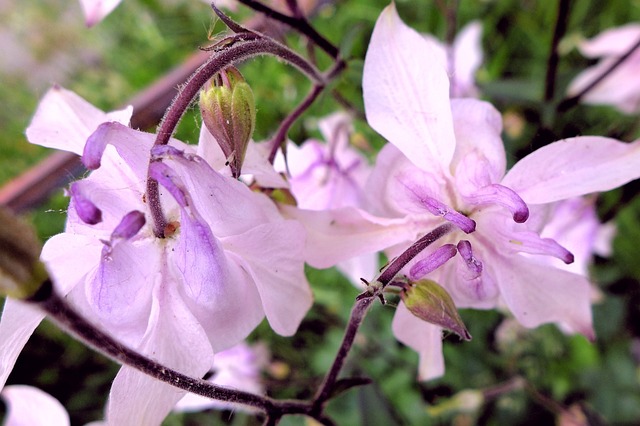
(235, 53)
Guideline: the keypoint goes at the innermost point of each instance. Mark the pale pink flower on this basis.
(621, 88)
(446, 163)
(31, 406)
(331, 175)
(239, 367)
(96, 10)
(230, 260)
(462, 59)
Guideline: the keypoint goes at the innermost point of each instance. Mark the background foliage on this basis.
(525, 377)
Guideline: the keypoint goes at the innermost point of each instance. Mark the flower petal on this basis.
(538, 294)
(337, 235)
(612, 42)
(17, 324)
(272, 254)
(424, 338)
(574, 167)
(31, 406)
(64, 120)
(174, 338)
(406, 95)
(467, 58)
(96, 10)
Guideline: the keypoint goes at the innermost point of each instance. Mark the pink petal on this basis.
(272, 254)
(467, 57)
(176, 339)
(612, 42)
(538, 294)
(424, 338)
(478, 127)
(31, 406)
(406, 94)
(18, 322)
(64, 120)
(96, 10)
(337, 235)
(574, 167)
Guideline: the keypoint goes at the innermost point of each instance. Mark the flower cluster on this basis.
(185, 277)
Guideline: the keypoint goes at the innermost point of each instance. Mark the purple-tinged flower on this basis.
(31, 406)
(239, 367)
(621, 88)
(462, 59)
(446, 162)
(331, 175)
(228, 259)
(96, 10)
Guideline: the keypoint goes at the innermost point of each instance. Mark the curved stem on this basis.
(57, 307)
(235, 53)
(552, 62)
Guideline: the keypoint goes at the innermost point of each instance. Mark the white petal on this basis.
(424, 338)
(467, 54)
(406, 93)
(612, 42)
(573, 167)
(18, 323)
(538, 294)
(174, 338)
(96, 10)
(64, 120)
(273, 255)
(29, 406)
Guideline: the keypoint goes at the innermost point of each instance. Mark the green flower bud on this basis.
(229, 113)
(430, 302)
(21, 273)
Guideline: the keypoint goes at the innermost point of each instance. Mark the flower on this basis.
(621, 88)
(203, 288)
(331, 175)
(446, 163)
(96, 10)
(239, 368)
(31, 406)
(462, 59)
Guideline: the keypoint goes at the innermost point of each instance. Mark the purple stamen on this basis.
(530, 242)
(95, 146)
(129, 226)
(466, 252)
(437, 208)
(87, 211)
(433, 261)
(506, 197)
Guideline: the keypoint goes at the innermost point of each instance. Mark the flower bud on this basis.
(229, 113)
(21, 273)
(430, 302)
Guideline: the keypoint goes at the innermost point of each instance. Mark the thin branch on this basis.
(552, 62)
(298, 23)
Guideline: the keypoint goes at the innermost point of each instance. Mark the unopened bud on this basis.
(229, 113)
(21, 273)
(430, 302)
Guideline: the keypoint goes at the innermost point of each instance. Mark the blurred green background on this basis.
(526, 377)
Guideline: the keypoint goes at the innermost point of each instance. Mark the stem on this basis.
(56, 306)
(286, 124)
(573, 100)
(363, 303)
(401, 261)
(237, 52)
(298, 22)
(552, 62)
(358, 313)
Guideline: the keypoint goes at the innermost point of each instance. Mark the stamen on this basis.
(129, 226)
(95, 146)
(87, 211)
(466, 252)
(433, 261)
(506, 197)
(437, 208)
(530, 242)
